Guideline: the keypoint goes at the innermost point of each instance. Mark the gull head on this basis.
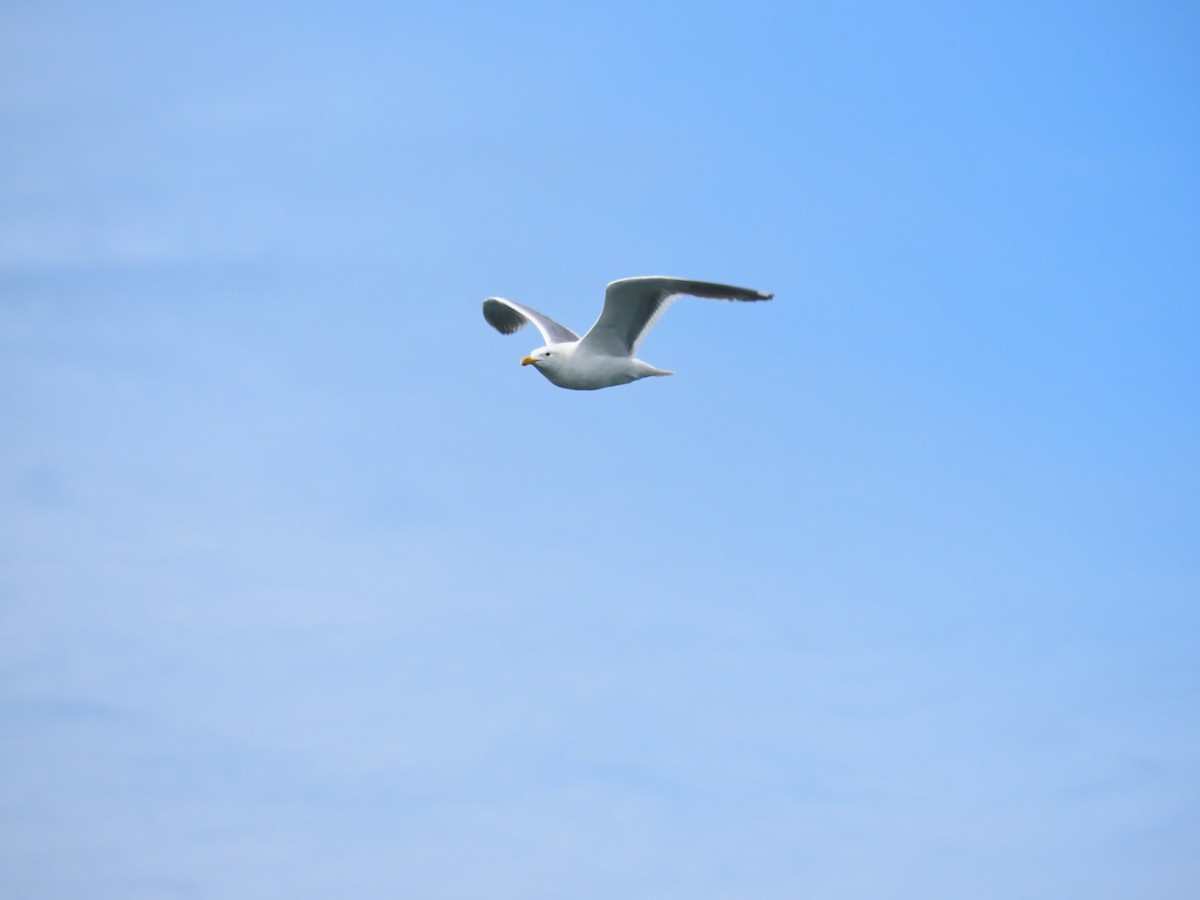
(549, 358)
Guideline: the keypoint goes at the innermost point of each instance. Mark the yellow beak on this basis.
(528, 361)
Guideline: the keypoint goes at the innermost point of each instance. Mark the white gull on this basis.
(604, 357)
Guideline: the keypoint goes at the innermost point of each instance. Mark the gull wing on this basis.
(633, 305)
(508, 317)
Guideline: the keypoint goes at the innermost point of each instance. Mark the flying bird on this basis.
(604, 357)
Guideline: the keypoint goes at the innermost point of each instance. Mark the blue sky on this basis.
(309, 590)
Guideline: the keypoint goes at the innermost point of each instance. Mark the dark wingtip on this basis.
(502, 317)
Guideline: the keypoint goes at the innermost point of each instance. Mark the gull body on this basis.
(565, 366)
(604, 357)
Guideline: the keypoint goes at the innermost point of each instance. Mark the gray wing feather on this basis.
(508, 317)
(633, 305)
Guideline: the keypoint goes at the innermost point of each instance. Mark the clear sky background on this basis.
(310, 591)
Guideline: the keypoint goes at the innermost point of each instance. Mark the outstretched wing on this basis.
(508, 317)
(633, 305)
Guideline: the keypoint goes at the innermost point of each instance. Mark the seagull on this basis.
(604, 357)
